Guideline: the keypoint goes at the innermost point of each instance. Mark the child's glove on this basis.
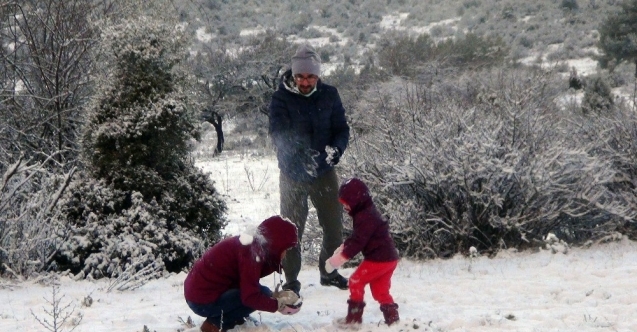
(335, 262)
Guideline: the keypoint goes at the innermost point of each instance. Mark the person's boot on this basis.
(390, 312)
(293, 285)
(334, 279)
(209, 327)
(354, 313)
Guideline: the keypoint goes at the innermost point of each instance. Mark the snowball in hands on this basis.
(287, 310)
(289, 302)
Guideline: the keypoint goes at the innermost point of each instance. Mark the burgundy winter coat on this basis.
(371, 231)
(231, 264)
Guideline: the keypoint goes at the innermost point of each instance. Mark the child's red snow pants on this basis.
(378, 276)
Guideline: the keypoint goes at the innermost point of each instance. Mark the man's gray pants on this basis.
(294, 206)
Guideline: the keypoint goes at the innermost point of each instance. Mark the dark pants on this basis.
(294, 205)
(227, 311)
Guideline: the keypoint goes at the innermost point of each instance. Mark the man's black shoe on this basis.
(293, 285)
(334, 279)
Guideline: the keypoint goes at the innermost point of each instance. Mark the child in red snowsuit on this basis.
(371, 237)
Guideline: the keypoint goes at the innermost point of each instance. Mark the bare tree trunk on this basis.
(217, 121)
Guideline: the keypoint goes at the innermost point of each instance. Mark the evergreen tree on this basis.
(140, 201)
(598, 96)
(618, 36)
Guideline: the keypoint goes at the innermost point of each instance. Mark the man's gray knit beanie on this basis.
(306, 61)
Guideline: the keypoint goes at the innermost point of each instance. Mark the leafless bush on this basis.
(137, 274)
(59, 315)
(312, 239)
(254, 186)
(28, 196)
(613, 136)
(500, 170)
(187, 323)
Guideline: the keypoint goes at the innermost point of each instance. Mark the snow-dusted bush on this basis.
(487, 160)
(140, 200)
(613, 136)
(405, 55)
(598, 96)
(29, 193)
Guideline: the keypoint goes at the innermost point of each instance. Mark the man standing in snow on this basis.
(223, 285)
(310, 133)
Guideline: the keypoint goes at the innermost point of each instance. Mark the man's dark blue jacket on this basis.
(302, 126)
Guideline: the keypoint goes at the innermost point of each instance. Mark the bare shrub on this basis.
(499, 170)
(28, 197)
(59, 315)
(136, 274)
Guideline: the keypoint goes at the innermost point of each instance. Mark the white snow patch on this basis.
(251, 32)
(394, 22)
(181, 26)
(584, 66)
(316, 42)
(320, 41)
(203, 36)
(527, 18)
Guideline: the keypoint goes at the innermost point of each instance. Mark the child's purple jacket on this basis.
(371, 231)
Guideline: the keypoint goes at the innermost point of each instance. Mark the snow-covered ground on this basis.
(591, 289)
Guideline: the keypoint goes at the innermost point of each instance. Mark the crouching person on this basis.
(370, 236)
(223, 285)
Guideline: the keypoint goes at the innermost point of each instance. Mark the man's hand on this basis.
(333, 155)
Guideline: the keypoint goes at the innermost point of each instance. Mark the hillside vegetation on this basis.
(471, 122)
(529, 28)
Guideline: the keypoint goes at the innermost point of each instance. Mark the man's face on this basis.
(305, 82)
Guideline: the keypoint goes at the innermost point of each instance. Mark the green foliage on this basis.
(403, 55)
(618, 36)
(141, 199)
(471, 4)
(509, 13)
(598, 96)
(569, 5)
(472, 50)
(299, 22)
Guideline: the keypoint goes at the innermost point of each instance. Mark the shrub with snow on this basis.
(140, 199)
(485, 160)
